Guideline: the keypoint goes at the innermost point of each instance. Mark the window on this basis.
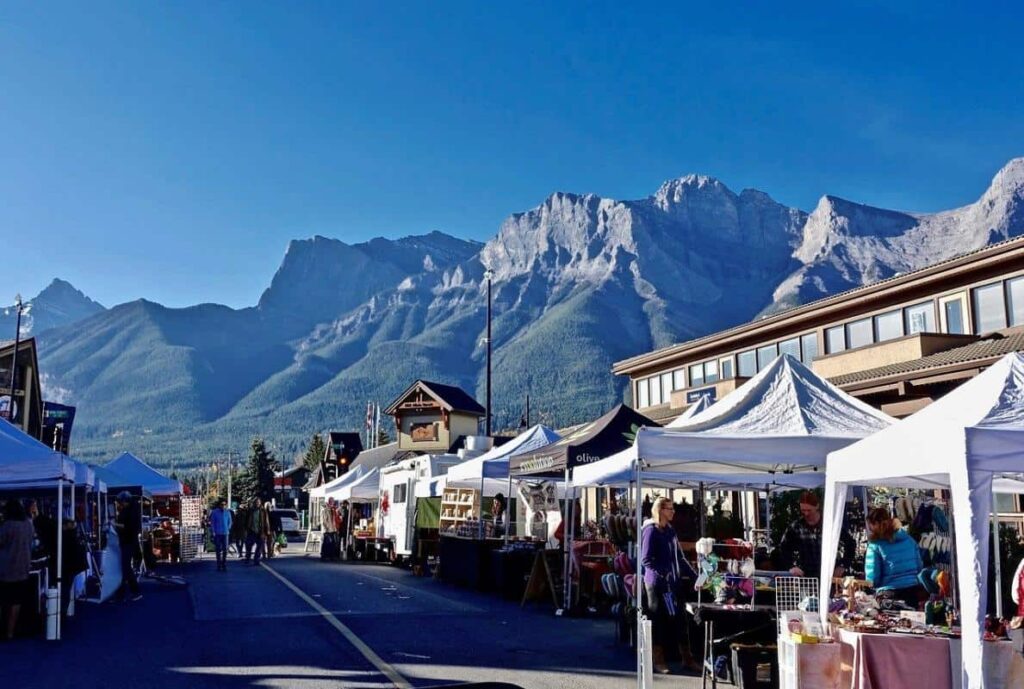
(1015, 300)
(791, 347)
(747, 363)
(989, 308)
(954, 313)
(725, 366)
(678, 379)
(711, 372)
(765, 355)
(859, 333)
(666, 385)
(642, 398)
(400, 493)
(835, 339)
(1005, 502)
(809, 345)
(888, 326)
(696, 375)
(655, 390)
(920, 318)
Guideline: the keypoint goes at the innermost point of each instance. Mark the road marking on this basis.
(391, 673)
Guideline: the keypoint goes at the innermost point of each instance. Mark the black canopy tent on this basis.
(603, 437)
(611, 433)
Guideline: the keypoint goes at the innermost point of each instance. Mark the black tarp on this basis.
(613, 432)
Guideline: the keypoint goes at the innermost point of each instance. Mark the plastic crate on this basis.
(755, 666)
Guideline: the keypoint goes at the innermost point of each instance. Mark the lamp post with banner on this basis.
(20, 309)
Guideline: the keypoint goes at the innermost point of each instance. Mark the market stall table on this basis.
(903, 661)
(510, 570)
(368, 548)
(467, 561)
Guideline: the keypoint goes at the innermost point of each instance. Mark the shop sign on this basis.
(8, 408)
(694, 395)
(538, 464)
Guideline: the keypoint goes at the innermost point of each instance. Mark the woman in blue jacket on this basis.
(893, 561)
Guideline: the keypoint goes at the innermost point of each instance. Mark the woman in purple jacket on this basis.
(659, 553)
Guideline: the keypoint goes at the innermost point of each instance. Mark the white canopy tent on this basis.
(493, 464)
(324, 491)
(702, 403)
(784, 420)
(965, 441)
(780, 424)
(363, 489)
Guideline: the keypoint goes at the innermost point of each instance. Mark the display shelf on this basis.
(458, 505)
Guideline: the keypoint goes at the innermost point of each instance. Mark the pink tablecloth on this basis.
(891, 661)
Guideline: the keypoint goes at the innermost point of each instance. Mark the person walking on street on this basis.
(329, 525)
(220, 527)
(273, 528)
(16, 535)
(256, 532)
(239, 520)
(129, 526)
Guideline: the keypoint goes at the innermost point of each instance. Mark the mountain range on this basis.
(578, 282)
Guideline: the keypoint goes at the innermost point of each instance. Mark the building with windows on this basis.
(898, 344)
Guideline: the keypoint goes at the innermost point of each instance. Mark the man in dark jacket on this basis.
(129, 526)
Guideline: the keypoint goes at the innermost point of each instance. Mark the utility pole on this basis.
(231, 468)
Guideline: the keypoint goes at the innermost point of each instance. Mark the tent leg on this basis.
(508, 508)
(998, 557)
(768, 517)
(703, 510)
(60, 549)
(641, 649)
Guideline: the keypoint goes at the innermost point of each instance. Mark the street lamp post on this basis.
(489, 275)
(19, 305)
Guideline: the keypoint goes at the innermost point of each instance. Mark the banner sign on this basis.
(693, 395)
(57, 422)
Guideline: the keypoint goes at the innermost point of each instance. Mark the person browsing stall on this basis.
(800, 547)
(16, 536)
(129, 527)
(893, 560)
(659, 554)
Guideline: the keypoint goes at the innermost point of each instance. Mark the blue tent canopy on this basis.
(134, 472)
(26, 462)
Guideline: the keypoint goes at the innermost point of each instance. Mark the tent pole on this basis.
(998, 558)
(566, 535)
(768, 516)
(508, 504)
(641, 649)
(703, 510)
(480, 517)
(60, 543)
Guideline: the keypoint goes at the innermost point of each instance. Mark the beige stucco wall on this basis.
(886, 353)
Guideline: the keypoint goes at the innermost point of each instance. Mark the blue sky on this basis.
(170, 150)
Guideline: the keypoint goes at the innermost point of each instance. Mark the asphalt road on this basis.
(308, 624)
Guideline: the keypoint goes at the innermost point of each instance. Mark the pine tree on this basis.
(382, 437)
(314, 453)
(257, 479)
